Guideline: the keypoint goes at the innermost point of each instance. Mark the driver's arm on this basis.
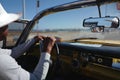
(10, 70)
(22, 48)
(40, 73)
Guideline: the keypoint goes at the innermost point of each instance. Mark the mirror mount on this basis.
(98, 5)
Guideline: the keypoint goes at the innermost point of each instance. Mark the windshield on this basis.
(68, 25)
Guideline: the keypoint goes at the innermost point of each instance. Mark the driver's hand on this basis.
(39, 38)
(48, 44)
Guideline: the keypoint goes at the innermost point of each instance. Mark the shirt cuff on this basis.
(46, 55)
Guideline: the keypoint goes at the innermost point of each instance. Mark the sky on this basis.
(16, 5)
(68, 19)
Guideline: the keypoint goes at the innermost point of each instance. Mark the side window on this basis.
(15, 29)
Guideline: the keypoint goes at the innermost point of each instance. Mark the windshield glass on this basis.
(68, 25)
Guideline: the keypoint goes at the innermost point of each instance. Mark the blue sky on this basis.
(16, 5)
(68, 19)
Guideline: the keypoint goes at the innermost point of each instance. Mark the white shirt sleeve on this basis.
(41, 69)
(10, 70)
(20, 49)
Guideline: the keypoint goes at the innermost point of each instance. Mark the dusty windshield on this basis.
(68, 25)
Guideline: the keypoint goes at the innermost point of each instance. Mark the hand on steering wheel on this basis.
(47, 43)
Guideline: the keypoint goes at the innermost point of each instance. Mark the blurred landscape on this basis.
(67, 35)
(74, 34)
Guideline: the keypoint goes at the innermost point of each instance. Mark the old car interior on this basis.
(79, 58)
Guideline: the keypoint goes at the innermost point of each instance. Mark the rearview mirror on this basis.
(103, 22)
